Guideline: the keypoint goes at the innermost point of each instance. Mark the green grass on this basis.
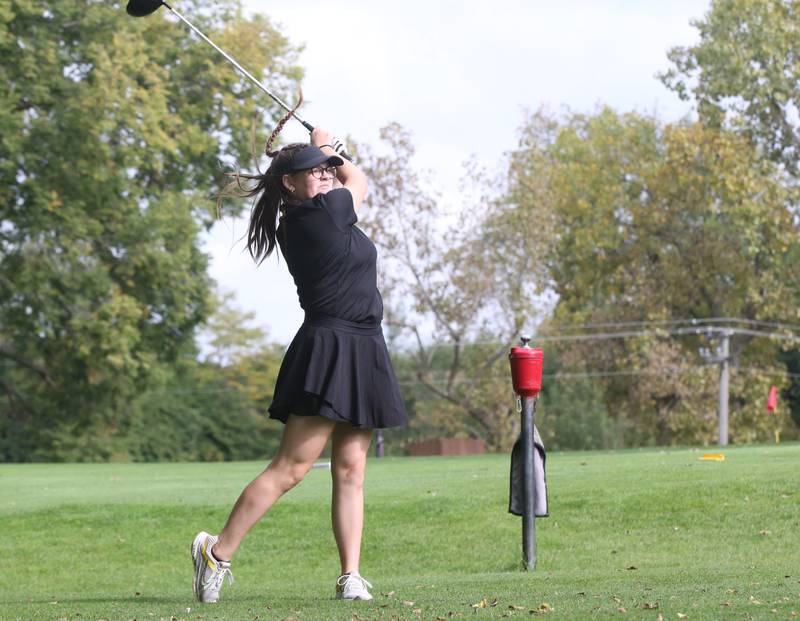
(629, 529)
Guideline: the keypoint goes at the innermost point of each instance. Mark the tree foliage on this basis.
(456, 293)
(111, 133)
(654, 222)
(745, 72)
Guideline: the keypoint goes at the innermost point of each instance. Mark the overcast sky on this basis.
(459, 75)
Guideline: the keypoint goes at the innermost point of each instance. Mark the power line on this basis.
(769, 372)
(693, 322)
(704, 330)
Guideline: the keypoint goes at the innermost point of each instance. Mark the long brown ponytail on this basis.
(269, 189)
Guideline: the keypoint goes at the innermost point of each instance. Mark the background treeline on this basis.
(111, 135)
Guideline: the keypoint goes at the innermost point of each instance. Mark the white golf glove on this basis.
(338, 146)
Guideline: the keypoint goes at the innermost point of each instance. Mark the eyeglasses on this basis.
(323, 172)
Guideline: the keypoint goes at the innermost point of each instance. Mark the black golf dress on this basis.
(337, 365)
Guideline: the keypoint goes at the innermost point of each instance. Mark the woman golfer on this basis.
(336, 380)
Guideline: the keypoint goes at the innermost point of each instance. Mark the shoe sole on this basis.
(353, 599)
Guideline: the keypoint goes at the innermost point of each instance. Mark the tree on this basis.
(111, 132)
(230, 336)
(457, 295)
(745, 73)
(571, 412)
(654, 222)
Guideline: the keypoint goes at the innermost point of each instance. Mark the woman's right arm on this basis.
(349, 175)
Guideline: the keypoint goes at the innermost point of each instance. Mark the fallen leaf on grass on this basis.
(650, 606)
(726, 604)
(681, 615)
(732, 591)
(480, 604)
(622, 610)
(660, 617)
(765, 532)
(417, 611)
(407, 603)
(513, 607)
(754, 601)
(631, 568)
(493, 603)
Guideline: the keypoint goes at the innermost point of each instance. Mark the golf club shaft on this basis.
(243, 71)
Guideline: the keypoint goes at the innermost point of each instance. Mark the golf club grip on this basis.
(310, 129)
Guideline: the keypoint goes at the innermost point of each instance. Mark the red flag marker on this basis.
(772, 399)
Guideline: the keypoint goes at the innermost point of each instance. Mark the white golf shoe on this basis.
(209, 573)
(352, 586)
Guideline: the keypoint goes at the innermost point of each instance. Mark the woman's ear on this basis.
(287, 183)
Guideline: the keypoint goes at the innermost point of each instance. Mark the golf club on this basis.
(142, 8)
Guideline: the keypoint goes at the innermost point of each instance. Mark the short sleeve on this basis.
(339, 204)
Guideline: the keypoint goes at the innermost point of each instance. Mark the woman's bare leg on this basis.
(303, 440)
(348, 463)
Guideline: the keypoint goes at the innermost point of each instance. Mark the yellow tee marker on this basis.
(713, 457)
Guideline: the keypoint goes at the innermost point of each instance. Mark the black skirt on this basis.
(340, 370)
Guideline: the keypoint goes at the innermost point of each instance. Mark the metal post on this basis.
(721, 356)
(724, 371)
(378, 443)
(529, 484)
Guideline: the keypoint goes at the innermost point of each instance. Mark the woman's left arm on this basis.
(349, 175)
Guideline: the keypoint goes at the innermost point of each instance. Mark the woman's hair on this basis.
(269, 188)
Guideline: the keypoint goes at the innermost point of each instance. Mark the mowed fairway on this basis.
(632, 533)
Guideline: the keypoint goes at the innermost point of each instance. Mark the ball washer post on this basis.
(526, 377)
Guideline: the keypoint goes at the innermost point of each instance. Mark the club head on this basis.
(140, 8)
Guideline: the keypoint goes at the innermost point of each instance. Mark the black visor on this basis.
(311, 157)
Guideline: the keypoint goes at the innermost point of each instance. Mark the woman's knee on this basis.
(289, 474)
(350, 474)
